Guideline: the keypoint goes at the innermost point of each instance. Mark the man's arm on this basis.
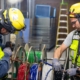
(58, 52)
(57, 55)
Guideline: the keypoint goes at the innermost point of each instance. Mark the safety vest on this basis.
(74, 50)
(1, 53)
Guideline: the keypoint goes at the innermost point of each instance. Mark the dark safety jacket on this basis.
(4, 60)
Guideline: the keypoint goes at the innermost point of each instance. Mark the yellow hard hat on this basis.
(75, 10)
(13, 20)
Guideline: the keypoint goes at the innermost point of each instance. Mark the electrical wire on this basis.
(31, 57)
(34, 72)
(47, 71)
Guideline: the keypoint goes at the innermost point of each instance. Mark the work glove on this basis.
(56, 65)
(10, 45)
(72, 71)
(7, 51)
(8, 48)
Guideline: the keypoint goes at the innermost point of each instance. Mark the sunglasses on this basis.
(74, 22)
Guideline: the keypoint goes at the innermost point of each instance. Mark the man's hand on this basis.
(72, 71)
(56, 65)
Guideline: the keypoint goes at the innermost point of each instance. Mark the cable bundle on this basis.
(34, 72)
(32, 58)
(47, 72)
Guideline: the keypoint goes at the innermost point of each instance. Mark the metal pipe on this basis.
(67, 56)
(29, 8)
(33, 11)
(2, 4)
(27, 12)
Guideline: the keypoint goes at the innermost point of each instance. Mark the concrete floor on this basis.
(50, 55)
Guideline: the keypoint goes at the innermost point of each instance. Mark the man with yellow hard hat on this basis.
(11, 21)
(73, 42)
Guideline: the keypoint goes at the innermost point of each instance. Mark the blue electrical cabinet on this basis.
(43, 11)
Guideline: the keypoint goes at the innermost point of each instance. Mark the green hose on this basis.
(31, 57)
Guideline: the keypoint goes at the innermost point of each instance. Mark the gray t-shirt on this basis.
(68, 39)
